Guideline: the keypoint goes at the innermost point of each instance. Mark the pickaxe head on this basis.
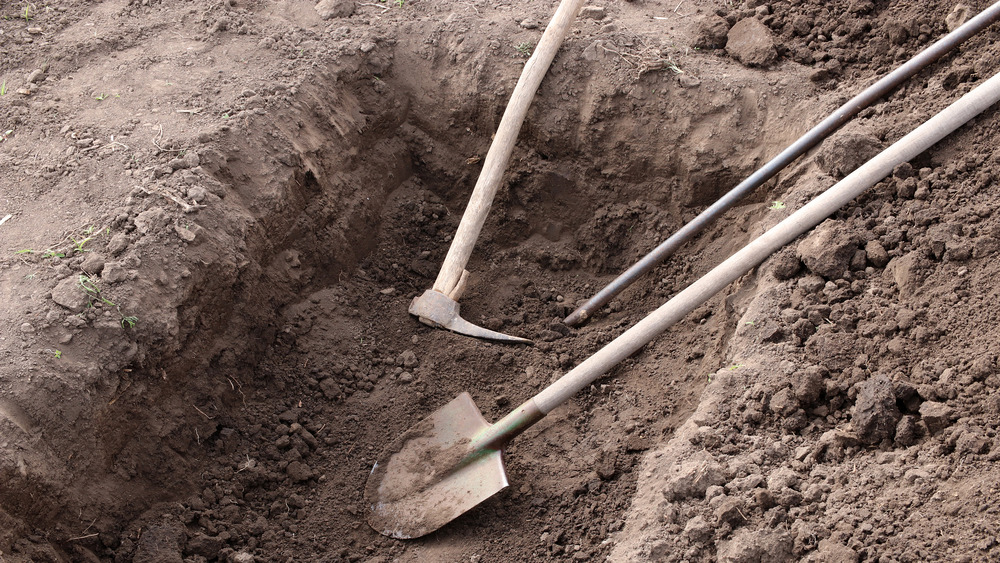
(436, 309)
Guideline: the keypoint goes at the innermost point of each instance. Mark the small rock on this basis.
(299, 471)
(93, 264)
(206, 546)
(936, 416)
(36, 76)
(971, 442)
(697, 530)
(186, 234)
(819, 75)
(189, 160)
(730, 511)
(783, 478)
(27, 327)
(197, 194)
(876, 253)
(367, 47)
(692, 477)
(606, 465)
(328, 9)
(242, 557)
(406, 377)
(637, 443)
(408, 359)
(114, 272)
(875, 412)
(711, 33)
(845, 152)
(117, 244)
(903, 171)
(592, 12)
(529, 23)
(830, 551)
(757, 545)
(751, 43)
(688, 81)
(785, 264)
(70, 295)
(959, 15)
(783, 403)
(330, 388)
(150, 220)
(808, 384)
(828, 250)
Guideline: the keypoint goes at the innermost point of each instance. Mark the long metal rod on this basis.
(737, 265)
(797, 149)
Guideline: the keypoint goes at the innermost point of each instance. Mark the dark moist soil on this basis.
(219, 212)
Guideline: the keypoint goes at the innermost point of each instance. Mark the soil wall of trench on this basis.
(275, 357)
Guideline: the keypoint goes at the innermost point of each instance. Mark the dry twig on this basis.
(187, 207)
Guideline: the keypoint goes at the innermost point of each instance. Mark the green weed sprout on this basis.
(777, 205)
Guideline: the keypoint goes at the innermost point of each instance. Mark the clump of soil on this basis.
(219, 212)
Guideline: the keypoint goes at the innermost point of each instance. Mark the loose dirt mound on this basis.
(219, 213)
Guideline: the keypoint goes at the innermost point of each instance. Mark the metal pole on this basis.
(797, 149)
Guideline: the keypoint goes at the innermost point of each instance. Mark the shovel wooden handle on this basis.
(916, 142)
(503, 144)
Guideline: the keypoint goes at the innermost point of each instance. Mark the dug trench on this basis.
(276, 357)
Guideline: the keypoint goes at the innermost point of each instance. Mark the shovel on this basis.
(451, 461)
(439, 306)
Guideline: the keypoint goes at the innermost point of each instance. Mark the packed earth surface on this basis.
(214, 214)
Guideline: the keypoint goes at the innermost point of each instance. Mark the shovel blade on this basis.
(428, 476)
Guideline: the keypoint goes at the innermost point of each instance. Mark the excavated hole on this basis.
(348, 369)
(296, 361)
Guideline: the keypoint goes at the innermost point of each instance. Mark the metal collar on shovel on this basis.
(451, 461)
(797, 149)
(439, 306)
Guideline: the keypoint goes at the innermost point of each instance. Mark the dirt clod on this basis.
(751, 43)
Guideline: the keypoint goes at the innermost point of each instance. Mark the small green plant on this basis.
(3, 88)
(90, 287)
(399, 3)
(734, 367)
(58, 354)
(45, 253)
(78, 244)
(129, 321)
(29, 10)
(225, 115)
(672, 67)
(100, 97)
(777, 205)
(525, 48)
